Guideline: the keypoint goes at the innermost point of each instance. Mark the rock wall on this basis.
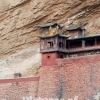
(26, 61)
(19, 20)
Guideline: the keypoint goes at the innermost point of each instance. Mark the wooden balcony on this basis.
(48, 50)
(54, 49)
(89, 48)
(71, 50)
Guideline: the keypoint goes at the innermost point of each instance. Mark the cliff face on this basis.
(18, 29)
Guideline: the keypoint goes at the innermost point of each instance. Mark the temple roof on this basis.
(74, 27)
(58, 34)
(86, 37)
(67, 36)
(48, 24)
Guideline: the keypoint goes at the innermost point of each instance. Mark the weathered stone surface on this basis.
(26, 62)
(19, 20)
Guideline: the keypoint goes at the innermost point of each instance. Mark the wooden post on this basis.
(45, 44)
(65, 43)
(40, 44)
(61, 42)
(68, 45)
(83, 43)
(57, 42)
(95, 42)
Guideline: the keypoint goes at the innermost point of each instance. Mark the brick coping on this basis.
(27, 79)
(89, 58)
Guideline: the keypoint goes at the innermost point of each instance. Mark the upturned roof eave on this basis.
(53, 36)
(48, 25)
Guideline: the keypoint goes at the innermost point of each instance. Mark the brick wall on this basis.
(49, 59)
(49, 81)
(74, 77)
(16, 89)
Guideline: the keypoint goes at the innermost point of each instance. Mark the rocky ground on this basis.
(19, 43)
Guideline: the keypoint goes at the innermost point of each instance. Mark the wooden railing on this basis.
(86, 48)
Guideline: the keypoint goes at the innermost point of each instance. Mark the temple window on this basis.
(50, 44)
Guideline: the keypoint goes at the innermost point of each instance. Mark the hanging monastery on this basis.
(70, 67)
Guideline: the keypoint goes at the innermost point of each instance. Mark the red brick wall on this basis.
(49, 61)
(49, 81)
(16, 89)
(74, 77)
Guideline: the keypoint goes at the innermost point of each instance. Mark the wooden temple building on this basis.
(53, 44)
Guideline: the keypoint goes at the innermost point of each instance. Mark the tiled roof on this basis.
(59, 34)
(86, 37)
(74, 27)
(48, 25)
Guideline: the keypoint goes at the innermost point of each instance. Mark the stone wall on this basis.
(78, 76)
(17, 89)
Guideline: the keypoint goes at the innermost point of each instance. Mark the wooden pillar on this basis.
(40, 44)
(57, 42)
(95, 42)
(83, 43)
(61, 42)
(45, 44)
(52, 46)
(68, 45)
(65, 44)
